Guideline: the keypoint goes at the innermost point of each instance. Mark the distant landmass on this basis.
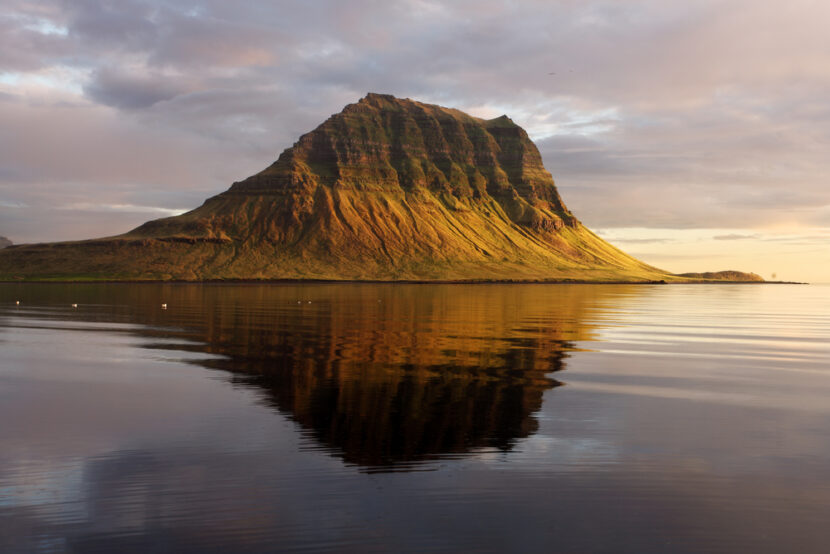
(388, 189)
(724, 276)
(4, 242)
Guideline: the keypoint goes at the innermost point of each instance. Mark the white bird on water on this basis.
(74, 305)
(17, 302)
(164, 306)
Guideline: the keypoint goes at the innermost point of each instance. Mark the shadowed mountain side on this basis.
(387, 189)
(383, 377)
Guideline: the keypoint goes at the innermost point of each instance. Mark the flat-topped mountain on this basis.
(387, 189)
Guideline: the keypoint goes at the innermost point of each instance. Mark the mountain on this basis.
(4, 242)
(387, 189)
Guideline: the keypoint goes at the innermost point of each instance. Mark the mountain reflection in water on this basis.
(383, 376)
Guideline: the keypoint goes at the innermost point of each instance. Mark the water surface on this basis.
(376, 418)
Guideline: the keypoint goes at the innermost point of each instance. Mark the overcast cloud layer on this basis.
(649, 114)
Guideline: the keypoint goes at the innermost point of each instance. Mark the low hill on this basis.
(731, 275)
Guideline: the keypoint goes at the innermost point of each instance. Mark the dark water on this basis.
(410, 418)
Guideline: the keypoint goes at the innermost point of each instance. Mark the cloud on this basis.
(118, 89)
(123, 26)
(734, 236)
(640, 241)
(25, 48)
(126, 208)
(5, 204)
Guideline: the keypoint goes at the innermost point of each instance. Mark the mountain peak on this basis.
(380, 97)
(502, 120)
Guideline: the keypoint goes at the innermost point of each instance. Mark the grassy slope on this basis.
(351, 236)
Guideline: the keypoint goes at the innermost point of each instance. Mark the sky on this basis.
(694, 135)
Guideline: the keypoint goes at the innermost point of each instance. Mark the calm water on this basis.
(410, 418)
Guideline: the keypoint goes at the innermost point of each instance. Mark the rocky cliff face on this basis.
(400, 147)
(387, 189)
